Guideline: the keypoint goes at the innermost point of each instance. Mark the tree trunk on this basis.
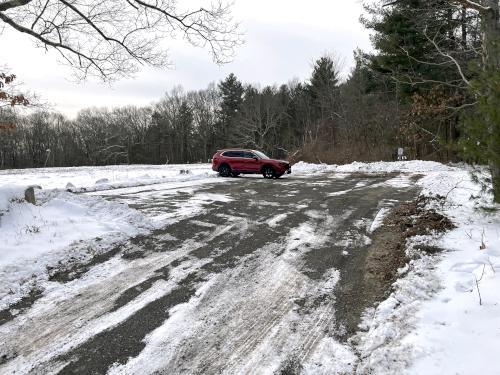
(491, 45)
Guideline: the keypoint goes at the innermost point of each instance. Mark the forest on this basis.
(430, 85)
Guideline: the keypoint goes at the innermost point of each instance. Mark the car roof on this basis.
(235, 149)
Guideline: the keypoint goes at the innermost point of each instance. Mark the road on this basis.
(246, 276)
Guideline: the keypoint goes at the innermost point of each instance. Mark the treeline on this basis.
(322, 119)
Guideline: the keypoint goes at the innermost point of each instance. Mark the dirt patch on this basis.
(291, 366)
(25, 303)
(72, 270)
(387, 253)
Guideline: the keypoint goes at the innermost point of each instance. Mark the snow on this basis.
(63, 225)
(10, 193)
(443, 316)
(107, 177)
(105, 283)
(433, 322)
(251, 338)
(37, 236)
(458, 330)
(379, 218)
(412, 166)
(273, 222)
(330, 357)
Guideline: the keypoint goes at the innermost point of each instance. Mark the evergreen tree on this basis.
(323, 87)
(482, 125)
(419, 44)
(408, 37)
(185, 132)
(231, 91)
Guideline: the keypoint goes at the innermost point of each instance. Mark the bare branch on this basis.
(111, 39)
(13, 4)
(447, 55)
(473, 5)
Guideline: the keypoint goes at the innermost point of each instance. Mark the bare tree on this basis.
(111, 39)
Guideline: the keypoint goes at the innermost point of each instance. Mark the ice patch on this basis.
(337, 193)
(273, 222)
(379, 219)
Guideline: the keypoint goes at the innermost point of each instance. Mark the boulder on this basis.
(29, 195)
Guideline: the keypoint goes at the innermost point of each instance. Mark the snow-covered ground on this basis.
(443, 316)
(64, 225)
(107, 177)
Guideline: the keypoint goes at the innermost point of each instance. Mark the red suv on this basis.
(232, 162)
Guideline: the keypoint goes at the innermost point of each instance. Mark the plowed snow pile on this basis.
(443, 316)
(61, 226)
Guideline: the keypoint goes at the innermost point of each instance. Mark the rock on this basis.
(29, 195)
(102, 181)
(69, 185)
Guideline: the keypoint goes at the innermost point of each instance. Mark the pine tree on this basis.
(419, 44)
(481, 141)
(323, 87)
(185, 131)
(231, 91)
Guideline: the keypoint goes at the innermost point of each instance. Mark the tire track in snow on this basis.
(259, 316)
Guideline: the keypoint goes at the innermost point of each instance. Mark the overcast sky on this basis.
(282, 38)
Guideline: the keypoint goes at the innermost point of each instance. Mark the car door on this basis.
(235, 159)
(252, 162)
(229, 158)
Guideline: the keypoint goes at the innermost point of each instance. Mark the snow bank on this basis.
(103, 178)
(65, 226)
(411, 166)
(34, 237)
(9, 194)
(443, 316)
(303, 167)
(458, 330)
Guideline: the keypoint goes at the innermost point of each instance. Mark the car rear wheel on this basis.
(268, 172)
(224, 170)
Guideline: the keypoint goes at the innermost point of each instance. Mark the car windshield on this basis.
(260, 154)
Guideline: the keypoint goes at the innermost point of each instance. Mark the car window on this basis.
(249, 155)
(261, 155)
(232, 154)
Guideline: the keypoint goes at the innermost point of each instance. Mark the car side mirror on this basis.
(255, 158)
